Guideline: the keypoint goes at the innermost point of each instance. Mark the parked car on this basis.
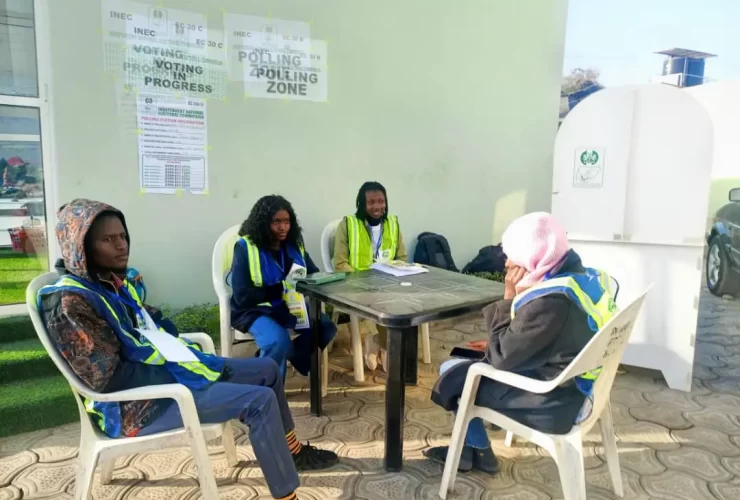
(723, 261)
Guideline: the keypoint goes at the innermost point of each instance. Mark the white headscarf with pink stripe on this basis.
(538, 243)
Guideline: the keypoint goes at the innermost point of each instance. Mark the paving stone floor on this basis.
(672, 445)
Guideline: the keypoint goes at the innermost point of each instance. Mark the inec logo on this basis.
(589, 158)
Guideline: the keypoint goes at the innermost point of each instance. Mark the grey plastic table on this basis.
(382, 298)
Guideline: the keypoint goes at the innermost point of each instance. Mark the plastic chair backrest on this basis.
(327, 244)
(223, 254)
(614, 285)
(605, 350)
(32, 292)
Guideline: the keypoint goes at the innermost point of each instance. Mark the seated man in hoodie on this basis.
(94, 317)
(552, 307)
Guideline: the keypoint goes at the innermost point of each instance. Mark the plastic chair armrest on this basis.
(513, 379)
(178, 392)
(202, 339)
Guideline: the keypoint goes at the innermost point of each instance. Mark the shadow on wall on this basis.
(508, 208)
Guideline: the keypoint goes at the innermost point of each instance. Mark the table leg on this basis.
(411, 354)
(314, 310)
(395, 397)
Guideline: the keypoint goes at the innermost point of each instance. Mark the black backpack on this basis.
(490, 259)
(433, 250)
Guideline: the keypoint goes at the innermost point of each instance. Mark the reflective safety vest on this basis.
(361, 251)
(591, 291)
(265, 271)
(134, 347)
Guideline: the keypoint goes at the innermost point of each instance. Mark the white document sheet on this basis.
(171, 348)
(399, 268)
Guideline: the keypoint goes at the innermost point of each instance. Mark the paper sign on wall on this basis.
(173, 154)
(158, 49)
(276, 58)
(588, 170)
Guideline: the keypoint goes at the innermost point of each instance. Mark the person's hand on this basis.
(478, 345)
(514, 275)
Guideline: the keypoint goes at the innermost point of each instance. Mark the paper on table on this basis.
(399, 268)
(170, 347)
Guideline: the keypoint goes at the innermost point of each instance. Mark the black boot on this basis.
(485, 460)
(439, 455)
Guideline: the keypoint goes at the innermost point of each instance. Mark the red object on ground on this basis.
(18, 238)
(30, 241)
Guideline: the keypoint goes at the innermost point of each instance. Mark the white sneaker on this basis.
(371, 351)
(383, 358)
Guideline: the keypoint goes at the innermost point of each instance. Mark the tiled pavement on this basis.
(672, 445)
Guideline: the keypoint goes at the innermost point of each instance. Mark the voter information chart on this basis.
(173, 152)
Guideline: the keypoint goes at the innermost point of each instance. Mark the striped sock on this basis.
(292, 496)
(293, 444)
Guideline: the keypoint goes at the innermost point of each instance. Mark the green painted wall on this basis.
(452, 105)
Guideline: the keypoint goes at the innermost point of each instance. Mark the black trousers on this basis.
(554, 413)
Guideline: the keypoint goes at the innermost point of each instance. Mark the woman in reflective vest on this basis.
(268, 256)
(363, 238)
(552, 307)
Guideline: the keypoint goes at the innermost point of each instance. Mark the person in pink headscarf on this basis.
(536, 330)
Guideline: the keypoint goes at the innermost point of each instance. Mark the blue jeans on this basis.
(476, 437)
(254, 394)
(274, 342)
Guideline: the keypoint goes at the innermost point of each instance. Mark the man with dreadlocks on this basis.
(363, 238)
(264, 303)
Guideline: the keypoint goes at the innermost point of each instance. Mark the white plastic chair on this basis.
(614, 289)
(327, 254)
(223, 255)
(97, 448)
(605, 349)
(327, 251)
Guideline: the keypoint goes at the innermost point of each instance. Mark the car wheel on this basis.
(719, 278)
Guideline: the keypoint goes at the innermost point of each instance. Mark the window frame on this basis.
(43, 104)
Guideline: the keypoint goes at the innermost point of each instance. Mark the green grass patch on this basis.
(490, 276)
(16, 328)
(16, 272)
(24, 359)
(197, 318)
(33, 404)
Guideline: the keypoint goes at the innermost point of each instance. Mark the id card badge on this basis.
(296, 273)
(145, 321)
(384, 256)
(168, 346)
(297, 306)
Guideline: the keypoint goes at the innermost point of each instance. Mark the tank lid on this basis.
(691, 54)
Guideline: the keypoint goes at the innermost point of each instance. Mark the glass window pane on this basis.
(23, 249)
(18, 74)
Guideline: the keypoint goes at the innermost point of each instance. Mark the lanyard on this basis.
(376, 250)
(281, 264)
(122, 298)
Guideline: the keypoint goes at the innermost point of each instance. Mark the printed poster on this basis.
(588, 170)
(157, 49)
(276, 58)
(173, 154)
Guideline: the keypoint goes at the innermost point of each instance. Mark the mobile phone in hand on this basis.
(463, 353)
